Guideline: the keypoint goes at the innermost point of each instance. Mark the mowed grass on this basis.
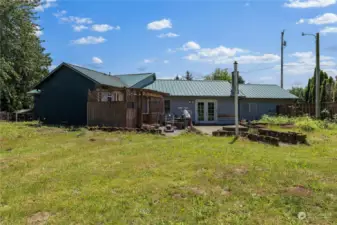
(58, 176)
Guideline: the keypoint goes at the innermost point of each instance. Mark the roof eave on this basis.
(58, 68)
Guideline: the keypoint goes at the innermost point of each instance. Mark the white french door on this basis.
(206, 111)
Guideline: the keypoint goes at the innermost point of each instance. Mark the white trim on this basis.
(205, 101)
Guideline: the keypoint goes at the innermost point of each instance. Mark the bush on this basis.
(276, 119)
(305, 123)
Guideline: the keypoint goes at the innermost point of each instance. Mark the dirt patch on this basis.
(178, 196)
(197, 191)
(92, 139)
(299, 190)
(222, 191)
(112, 139)
(50, 130)
(240, 171)
(39, 218)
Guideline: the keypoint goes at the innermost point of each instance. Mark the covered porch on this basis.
(124, 107)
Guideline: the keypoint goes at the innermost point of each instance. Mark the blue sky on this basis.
(170, 37)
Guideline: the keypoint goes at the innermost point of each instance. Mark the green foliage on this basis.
(327, 89)
(299, 92)
(22, 58)
(223, 74)
(177, 77)
(188, 76)
(304, 123)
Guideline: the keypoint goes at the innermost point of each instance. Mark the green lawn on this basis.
(57, 176)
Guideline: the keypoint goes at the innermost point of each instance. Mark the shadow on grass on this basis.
(63, 126)
(234, 140)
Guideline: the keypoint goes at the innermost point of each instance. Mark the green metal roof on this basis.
(267, 91)
(128, 80)
(99, 77)
(192, 88)
(218, 89)
(132, 79)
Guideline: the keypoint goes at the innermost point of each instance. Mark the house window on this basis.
(118, 96)
(167, 104)
(109, 97)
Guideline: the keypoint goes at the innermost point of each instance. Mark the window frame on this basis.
(169, 106)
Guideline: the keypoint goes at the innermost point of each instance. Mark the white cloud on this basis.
(60, 13)
(89, 40)
(329, 30)
(309, 3)
(38, 31)
(78, 20)
(45, 4)
(305, 63)
(52, 67)
(250, 59)
(327, 18)
(104, 27)
(166, 61)
(79, 28)
(168, 35)
(160, 24)
(191, 45)
(224, 55)
(170, 50)
(300, 21)
(331, 72)
(219, 51)
(149, 60)
(97, 60)
(266, 78)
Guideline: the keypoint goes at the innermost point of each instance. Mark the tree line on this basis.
(218, 74)
(328, 89)
(23, 61)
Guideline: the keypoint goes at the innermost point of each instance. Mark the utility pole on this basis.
(283, 44)
(236, 98)
(317, 72)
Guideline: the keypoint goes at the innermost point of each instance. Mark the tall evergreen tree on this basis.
(22, 58)
(327, 90)
(188, 76)
(177, 77)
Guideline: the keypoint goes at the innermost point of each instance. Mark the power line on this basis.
(261, 69)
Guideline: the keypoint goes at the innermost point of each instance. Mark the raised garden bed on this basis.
(264, 139)
(252, 137)
(266, 136)
(286, 137)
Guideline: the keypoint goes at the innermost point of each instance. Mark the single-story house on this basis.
(62, 97)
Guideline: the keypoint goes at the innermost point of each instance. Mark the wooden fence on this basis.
(16, 116)
(106, 114)
(305, 109)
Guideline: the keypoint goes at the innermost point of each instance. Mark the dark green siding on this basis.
(63, 98)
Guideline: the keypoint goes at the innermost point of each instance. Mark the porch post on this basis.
(141, 109)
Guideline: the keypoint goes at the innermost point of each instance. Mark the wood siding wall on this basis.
(106, 114)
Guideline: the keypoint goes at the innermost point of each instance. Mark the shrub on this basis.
(305, 123)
